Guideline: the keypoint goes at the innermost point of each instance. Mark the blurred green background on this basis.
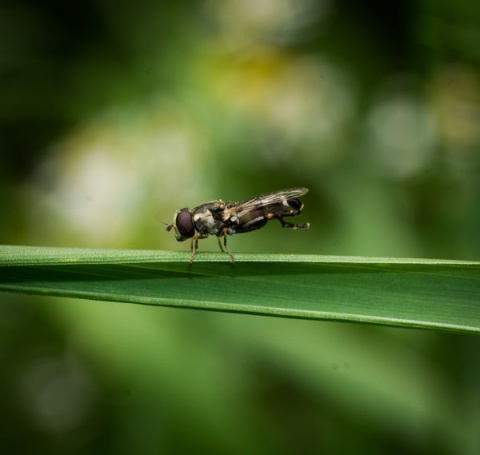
(115, 114)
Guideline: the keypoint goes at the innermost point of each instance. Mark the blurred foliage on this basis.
(114, 115)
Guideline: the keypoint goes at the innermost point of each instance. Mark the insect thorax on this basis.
(207, 218)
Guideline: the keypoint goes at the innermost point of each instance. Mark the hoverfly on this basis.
(227, 218)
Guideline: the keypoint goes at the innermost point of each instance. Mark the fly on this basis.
(221, 218)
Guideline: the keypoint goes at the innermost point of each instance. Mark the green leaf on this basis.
(397, 292)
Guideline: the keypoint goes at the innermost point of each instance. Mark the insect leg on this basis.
(194, 244)
(226, 250)
(193, 248)
(286, 224)
(232, 257)
(220, 245)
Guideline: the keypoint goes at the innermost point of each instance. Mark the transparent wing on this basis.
(275, 197)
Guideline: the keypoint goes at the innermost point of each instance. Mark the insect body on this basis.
(221, 218)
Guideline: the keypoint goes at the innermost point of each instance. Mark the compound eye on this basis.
(184, 223)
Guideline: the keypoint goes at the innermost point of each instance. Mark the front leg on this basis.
(194, 244)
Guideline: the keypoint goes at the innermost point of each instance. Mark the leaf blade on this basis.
(398, 292)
